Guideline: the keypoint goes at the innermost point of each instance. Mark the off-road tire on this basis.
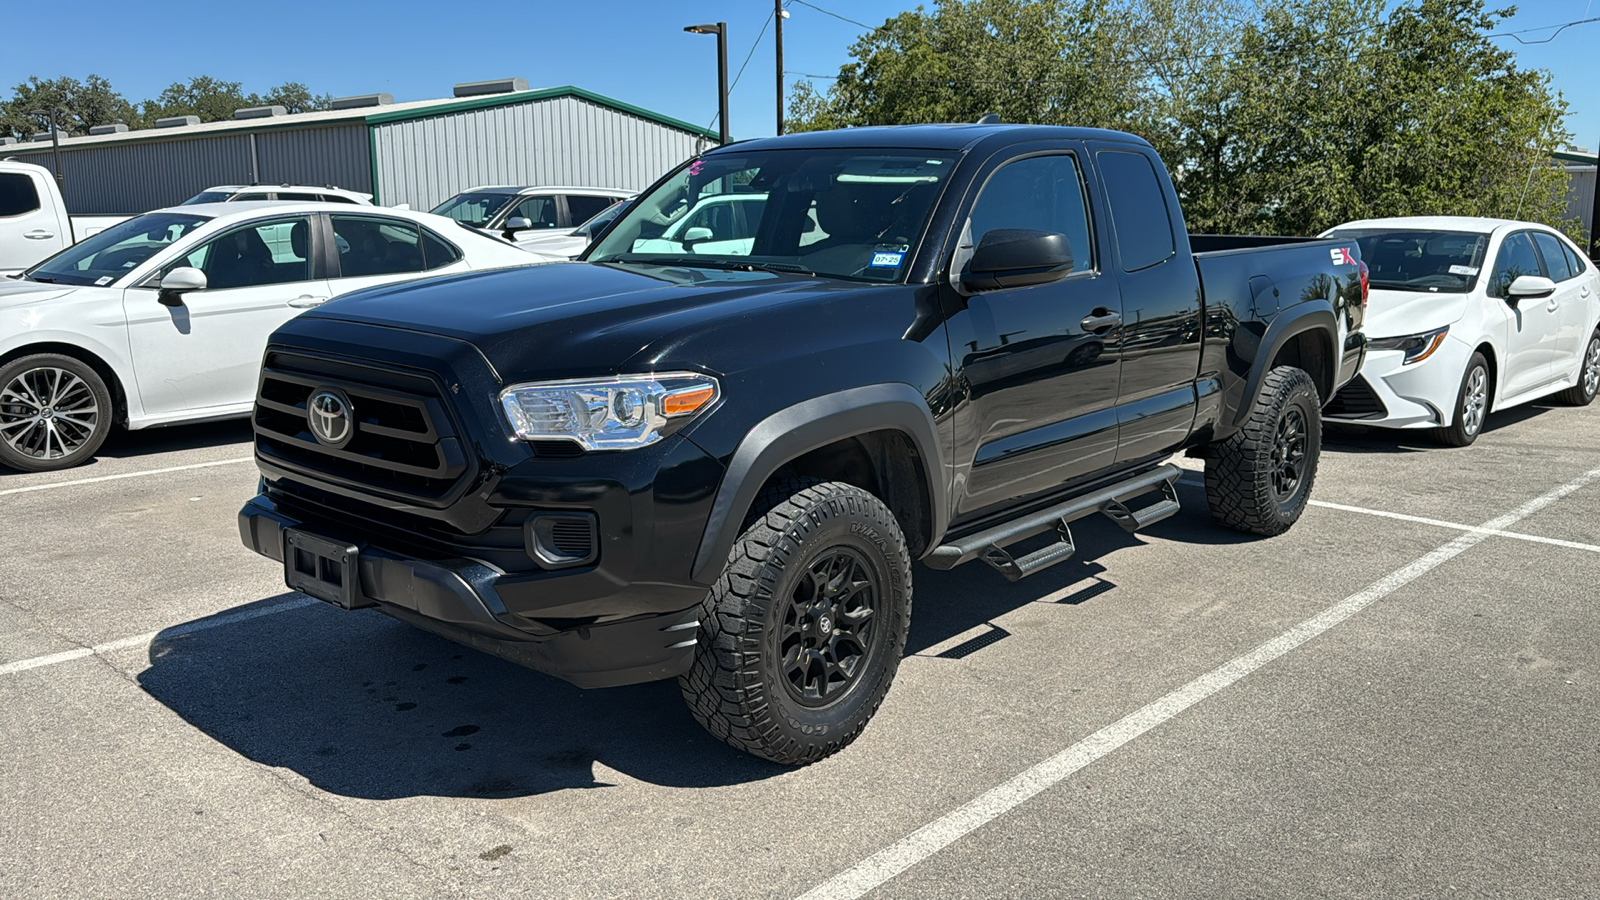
(1240, 486)
(89, 391)
(1461, 431)
(1582, 393)
(737, 687)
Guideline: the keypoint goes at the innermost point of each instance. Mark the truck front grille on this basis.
(1356, 400)
(404, 440)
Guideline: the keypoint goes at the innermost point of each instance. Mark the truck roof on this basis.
(928, 137)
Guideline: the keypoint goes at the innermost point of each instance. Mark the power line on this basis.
(827, 12)
(1558, 29)
(747, 56)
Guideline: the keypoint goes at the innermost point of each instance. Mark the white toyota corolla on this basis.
(1468, 316)
(163, 318)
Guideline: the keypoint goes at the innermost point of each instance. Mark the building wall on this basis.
(564, 140)
(1580, 200)
(136, 177)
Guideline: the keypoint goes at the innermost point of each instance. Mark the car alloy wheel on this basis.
(1591, 367)
(1288, 453)
(47, 413)
(1475, 400)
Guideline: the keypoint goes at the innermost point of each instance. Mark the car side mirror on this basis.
(1017, 257)
(178, 282)
(1529, 286)
(515, 224)
(696, 235)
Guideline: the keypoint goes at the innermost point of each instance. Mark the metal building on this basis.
(419, 153)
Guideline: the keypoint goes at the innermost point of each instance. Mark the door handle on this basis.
(306, 301)
(39, 234)
(1101, 320)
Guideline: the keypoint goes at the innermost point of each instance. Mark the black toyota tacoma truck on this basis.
(713, 447)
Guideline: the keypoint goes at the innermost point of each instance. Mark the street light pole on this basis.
(778, 15)
(55, 141)
(721, 31)
(1594, 215)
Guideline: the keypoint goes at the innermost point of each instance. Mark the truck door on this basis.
(1038, 364)
(31, 228)
(1160, 303)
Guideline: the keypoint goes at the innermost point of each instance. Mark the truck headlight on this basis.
(1418, 347)
(618, 413)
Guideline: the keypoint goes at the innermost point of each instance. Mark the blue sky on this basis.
(632, 50)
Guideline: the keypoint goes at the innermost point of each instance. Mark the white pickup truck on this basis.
(34, 223)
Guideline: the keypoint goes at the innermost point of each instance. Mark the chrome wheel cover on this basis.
(47, 413)
(1475, 400)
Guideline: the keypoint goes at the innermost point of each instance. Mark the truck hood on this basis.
(1397, 313)
(571, 319)
(15, 293)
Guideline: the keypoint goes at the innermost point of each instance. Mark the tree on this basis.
(82, 104)
(212, 99)
(294, 97)
(1287, 117)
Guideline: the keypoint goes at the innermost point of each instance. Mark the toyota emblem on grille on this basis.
(328, 414)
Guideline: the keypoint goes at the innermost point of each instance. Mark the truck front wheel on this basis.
(801, 636)
(1258, 479)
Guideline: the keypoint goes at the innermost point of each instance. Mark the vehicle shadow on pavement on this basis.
(1341, 438)
(364, 706)
(123, 444)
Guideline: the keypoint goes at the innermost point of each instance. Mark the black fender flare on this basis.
(1312, 315)
(805, 426)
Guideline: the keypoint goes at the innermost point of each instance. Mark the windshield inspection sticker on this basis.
(104, 280)
(886, 258)
(1464, 270)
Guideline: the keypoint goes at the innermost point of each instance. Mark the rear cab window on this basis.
(18, 195)
(1140, 218)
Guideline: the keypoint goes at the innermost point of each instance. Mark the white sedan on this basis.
(163, 318)
(1469, 316)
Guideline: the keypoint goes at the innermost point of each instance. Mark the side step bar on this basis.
(1111, 501)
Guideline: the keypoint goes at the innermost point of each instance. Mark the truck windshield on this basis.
(107, 256)
(845, 213)
(1403, 259)
(475, 209)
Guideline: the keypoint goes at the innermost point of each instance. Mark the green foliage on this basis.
(84, 104)
(1287, 117)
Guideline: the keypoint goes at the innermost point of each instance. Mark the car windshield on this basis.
(107, 256)
(475, 209)
(845, 213)
(208, 197)
(1403, 259)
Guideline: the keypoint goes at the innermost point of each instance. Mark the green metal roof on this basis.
(492, 100)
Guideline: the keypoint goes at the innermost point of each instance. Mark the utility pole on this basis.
(55, 141)
(778, 15)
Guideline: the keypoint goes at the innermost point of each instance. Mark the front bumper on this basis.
(1420, 395)
(460, 600)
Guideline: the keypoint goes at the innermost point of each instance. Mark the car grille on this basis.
(405, 443)
(1355, 400)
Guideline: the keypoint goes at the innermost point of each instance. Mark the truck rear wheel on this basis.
(1258, 480)
(55, 412)
(801, 636)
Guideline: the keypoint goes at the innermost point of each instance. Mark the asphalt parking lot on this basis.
(1396, 698)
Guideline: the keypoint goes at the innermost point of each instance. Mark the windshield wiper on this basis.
(42, 279)
(708, 262)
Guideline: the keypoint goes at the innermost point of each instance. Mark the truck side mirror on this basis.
(178, 282)
(1017, 257)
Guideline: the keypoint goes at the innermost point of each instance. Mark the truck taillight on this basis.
(1364, 289)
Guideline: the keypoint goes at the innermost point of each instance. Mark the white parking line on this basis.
(140, 474)
(143, 640)
(873, 871)
(1440, 523)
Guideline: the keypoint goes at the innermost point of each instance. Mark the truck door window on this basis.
(18, 196)
(1139, 214)
(584, 207)
(1041, 193)
(1516, 258)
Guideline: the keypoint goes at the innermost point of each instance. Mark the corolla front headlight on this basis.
(619, 413)
(1418, 347)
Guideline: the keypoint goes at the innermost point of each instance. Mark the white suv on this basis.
(234, 193)
(512, 212)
